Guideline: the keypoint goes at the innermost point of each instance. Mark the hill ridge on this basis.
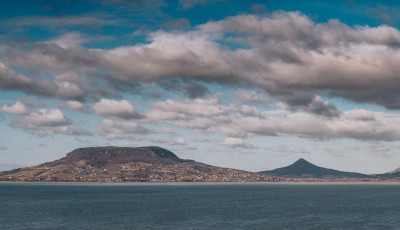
(304, 169)
(128, 164)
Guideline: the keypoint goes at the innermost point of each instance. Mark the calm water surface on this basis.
(199, 206)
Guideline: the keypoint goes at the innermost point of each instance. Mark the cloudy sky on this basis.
(251, 85)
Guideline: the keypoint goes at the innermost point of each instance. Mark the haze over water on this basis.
(199, 206)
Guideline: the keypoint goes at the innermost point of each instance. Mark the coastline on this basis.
(205, 183)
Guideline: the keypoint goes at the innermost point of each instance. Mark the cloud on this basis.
(121, 129)
(72, 39)
(235, 121)
(316, 106)
(70, 76)
(18, 108)
(284, 54)
(179, 23)
(290, 57)
(120, 109)
(47, 122)
(258, 8)
(45, 21)
(283, 149)
(202, 139)
(10, 80)
(76, 105)
(187, 4)
(169, 55)
(189, 88)
(49, 56)
(390, 16)
(186, 107)
(251, 97)
(378, 149)
(354, 124)
(176, 141)
(234, 142)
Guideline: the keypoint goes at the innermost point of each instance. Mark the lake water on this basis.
(199, 206)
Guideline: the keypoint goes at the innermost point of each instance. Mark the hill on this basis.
(304, 169)
(392, 175)
(124, 164)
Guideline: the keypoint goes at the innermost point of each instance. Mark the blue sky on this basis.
(252, 85)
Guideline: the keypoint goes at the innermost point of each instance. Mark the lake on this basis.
(200, 206)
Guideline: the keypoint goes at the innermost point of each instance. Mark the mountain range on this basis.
(155, 164)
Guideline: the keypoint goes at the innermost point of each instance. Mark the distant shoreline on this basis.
(208, 183)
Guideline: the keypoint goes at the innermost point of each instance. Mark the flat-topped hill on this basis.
(124, 164)
(100, 156)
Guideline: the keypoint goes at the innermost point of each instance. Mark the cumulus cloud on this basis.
(354, 124)
(19, 108)
(244, 121)
(120, 109)
(234, 142)
(11, 80)
(75, 105)
(287, 55)
(176, 141)
(316, 106)
(47, 122)
(72, 39)
(252, 97)
(121, 129)
(194, 107)
(290, 57)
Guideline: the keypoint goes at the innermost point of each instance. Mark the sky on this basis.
(252, 85)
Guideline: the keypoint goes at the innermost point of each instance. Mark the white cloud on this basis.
(47, 122)
(234, 142)
(121, 129)
(72, 39)
(243, 121)
(75, 105)
(46, 117)
(350, 124)
(176, 141)
(287, 55)
(18, 108)
(121, 109)
(249, 97)
(200, 107)
(179, 141)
